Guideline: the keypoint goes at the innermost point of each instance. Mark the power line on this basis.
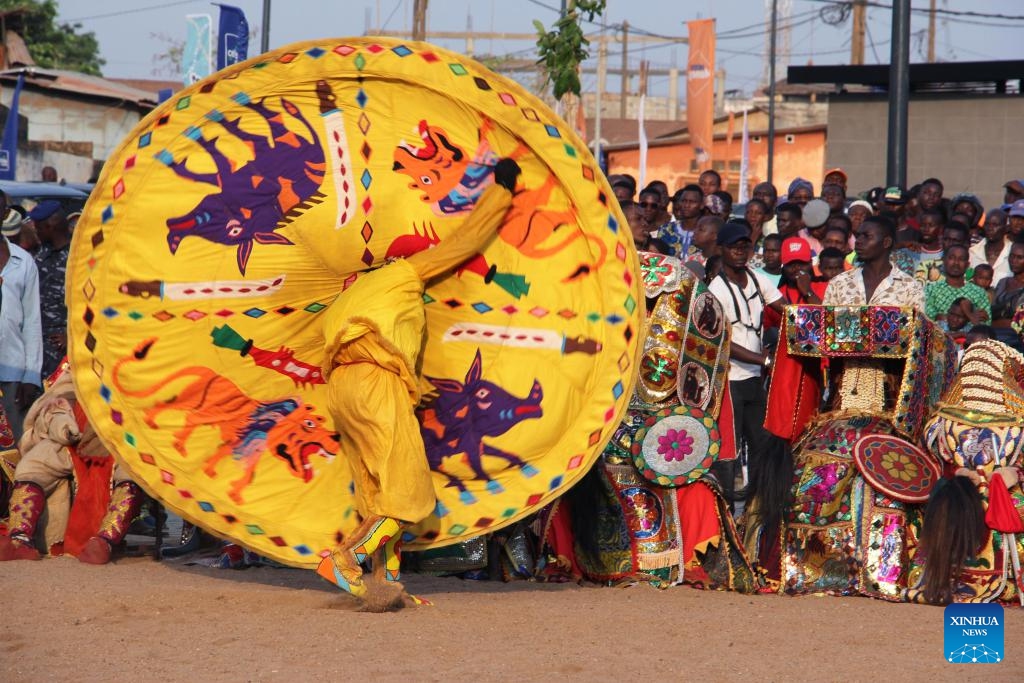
(129, 11)
(921, 10)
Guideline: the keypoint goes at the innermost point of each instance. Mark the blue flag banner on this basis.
(232, 37)
(9, 145)
(195, 60)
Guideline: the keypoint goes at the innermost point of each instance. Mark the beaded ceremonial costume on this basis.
(656, 512)
(886, 366)
(979, 429)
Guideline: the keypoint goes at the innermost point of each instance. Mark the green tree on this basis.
(53, 45)
(564, 47)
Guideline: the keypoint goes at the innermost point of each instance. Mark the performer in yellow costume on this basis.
(372, 365)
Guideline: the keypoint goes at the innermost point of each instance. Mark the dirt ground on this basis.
(159, 621)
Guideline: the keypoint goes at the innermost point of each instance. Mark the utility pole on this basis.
(899, 94)
(419, 19)
(265, 31)
(624, 97)
(771, 89)
(860, 10)
(719, 92)
(602, 69)
(931, 32)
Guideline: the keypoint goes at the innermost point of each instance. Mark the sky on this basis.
(133, 33)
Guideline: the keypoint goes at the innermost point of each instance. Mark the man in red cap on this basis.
(798, 284)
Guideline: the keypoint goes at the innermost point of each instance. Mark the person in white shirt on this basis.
(21, 335)
(744, 294)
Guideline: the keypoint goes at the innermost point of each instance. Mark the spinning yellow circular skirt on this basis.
(236, 212)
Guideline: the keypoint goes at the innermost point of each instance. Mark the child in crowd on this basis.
(983, 274)
(978, 333)
(957, 318)
(772, 258)
(831, 262)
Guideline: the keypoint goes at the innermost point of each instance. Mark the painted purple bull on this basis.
(466, 412)
(282, 180)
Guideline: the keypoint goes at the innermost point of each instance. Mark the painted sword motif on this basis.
(282, 361)
(215, 289)
(341, 159)
(521, 337)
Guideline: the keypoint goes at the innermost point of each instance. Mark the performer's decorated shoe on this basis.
(342, 574)
(342, 566)
(95, 551)
(13, 548)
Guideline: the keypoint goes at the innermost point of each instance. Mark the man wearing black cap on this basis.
(52, 260)
(744, 294)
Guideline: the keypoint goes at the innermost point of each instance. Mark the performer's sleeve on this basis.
(480, 225)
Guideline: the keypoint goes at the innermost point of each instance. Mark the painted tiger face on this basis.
(435, 168)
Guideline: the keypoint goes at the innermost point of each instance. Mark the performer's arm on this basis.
(481, 224)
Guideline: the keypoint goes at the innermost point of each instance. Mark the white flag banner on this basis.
(744, 162)
(642, 164)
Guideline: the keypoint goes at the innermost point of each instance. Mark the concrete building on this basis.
(964, 124)
(69, 120)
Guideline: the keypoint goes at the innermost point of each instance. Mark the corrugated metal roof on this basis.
(81, 84)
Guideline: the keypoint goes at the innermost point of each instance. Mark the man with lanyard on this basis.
(744, 294)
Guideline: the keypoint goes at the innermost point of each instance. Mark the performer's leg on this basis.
(393, 484)
(27, 501)
(35, 477)
(124, 505)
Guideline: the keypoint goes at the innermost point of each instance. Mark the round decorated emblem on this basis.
(896, 468)
(676, 446)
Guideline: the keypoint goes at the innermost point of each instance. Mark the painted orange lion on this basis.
(288, 428)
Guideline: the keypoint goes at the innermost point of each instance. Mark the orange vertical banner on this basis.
(700, 89)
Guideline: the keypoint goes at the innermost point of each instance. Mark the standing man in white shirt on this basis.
(21, 335)
(744, 294)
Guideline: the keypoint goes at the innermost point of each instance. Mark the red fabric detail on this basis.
(794, 395)
(560, 539)
(62, 367)
(792, 296)
(93, 495)
(1001, 514)
(726, 428)
(698, 518)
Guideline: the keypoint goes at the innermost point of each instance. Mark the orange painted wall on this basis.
(803, 157)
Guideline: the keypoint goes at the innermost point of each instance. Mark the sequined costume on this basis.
(650, 509)
(978, 431)
(886, 367)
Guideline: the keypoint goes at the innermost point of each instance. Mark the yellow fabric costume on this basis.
(373, 389)
(223, 231)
